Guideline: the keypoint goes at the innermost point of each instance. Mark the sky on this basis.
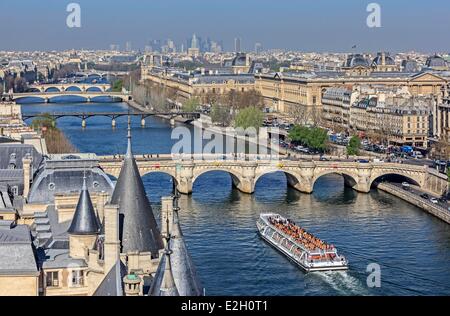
(306, 25)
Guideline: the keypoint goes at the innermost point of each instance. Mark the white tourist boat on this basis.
(306, 250)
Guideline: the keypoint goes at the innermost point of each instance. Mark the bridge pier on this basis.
(113, 123)
(143, 122)
(303, 185)
(83, 123)
(184, 185)
(172, 122)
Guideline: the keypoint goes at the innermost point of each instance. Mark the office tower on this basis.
(128, 46)
(237, 45)
(194, 41)
(258, 47)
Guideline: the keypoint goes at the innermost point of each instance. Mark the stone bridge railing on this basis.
(301, 175)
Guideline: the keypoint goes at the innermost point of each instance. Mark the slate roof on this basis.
(16, 251)
(112, 283)
(138, 230)
(84, 220)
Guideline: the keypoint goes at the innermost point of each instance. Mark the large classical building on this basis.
(284, 91)
(235, 74)
(391, 114)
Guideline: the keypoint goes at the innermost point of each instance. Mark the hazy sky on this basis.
(308, 25)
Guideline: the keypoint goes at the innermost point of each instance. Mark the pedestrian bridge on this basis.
(301, 175)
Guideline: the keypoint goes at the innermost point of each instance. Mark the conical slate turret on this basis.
(84, 220)
(164, 283)
(138, 230)
(183, 269)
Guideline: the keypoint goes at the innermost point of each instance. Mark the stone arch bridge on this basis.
(301, 175)
(86, 95)
(74, 87)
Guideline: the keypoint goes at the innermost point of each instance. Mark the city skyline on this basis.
(420, 26)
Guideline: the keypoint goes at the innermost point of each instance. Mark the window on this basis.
(77, 278)
(15, 190)
(52, 279)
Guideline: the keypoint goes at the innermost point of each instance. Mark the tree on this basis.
(117, 85)
(312, 137)
(220, 113)
(249, 117)
(353, 146)
(298, 114)
(250, 98)
(191, 105)
(44, 121)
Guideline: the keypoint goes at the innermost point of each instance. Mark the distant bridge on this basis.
(301, 175)
(49, 97)
(113, 115)
(73, 87)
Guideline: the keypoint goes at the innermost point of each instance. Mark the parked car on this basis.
(434, 200)
(363, 161)
(442, 200)
(406, 185)
(425, 196)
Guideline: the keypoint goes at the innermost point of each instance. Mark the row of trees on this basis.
(18, 84)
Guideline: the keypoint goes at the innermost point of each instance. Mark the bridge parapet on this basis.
(302, 175)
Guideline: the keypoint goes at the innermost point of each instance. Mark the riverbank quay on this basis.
(426, 205)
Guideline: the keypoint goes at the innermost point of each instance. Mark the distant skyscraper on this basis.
(237, 45)
(194, 41)
(258, 48)
(128, 46)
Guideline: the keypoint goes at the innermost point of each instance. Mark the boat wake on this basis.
(343, 283)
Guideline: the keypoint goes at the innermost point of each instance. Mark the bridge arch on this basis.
(73, 89)
(350, 178)
(397, 177)
(69, 98)
(293, 179)
(52, 89)
(30, 99)
(236, 178)
(159, 170)
(94, 89)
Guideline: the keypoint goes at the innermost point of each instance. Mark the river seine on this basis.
(411, 246)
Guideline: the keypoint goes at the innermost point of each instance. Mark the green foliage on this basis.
(353, 146)
(191, 105)
(44, 121)
(117, 86)
(313, 137)
(249, 117)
